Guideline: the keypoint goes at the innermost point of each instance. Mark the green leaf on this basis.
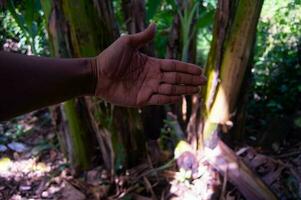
(46, 7)
(206, 19)
(34, 29)
(29, 16)
(152, 7)
(17, 17)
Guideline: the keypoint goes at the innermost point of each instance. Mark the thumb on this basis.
(142, 38)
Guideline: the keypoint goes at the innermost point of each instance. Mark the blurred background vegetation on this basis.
(274, 98)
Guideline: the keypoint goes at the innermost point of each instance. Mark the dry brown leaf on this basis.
(71, 193)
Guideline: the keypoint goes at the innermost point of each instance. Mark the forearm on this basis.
(29, 82)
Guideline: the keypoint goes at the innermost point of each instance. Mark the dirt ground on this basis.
(32, 167)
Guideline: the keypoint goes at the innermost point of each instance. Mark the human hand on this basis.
(127, 77)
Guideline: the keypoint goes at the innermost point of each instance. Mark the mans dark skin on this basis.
(120, 74)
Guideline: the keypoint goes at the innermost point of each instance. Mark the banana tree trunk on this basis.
(83, 29)
(230, 54)
(233, 39)
(77, 29)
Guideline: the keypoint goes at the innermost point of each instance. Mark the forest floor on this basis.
(32, 167)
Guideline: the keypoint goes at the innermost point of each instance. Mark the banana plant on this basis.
(27, 19)
(187, 28)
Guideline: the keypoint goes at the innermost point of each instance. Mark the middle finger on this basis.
(182, 78)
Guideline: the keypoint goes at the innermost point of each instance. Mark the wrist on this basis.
(93, 73)
(89, 76)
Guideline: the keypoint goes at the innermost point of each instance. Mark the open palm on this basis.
(127, 77)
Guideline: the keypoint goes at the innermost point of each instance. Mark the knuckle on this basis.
(162, 88)
(171, 89)
(174, 77)
(179, 78)
(162, 77)
(173, 64)
(190, 79)
(168, 62)
(125, 38)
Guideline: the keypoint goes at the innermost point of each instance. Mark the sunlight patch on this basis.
(29, 167)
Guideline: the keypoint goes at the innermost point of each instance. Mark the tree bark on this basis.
(81, 29)
(229, 58)
(84, 29)
(73, 127)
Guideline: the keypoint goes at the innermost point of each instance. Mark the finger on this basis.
(168, 65)
(158, 99)
(142, 38)
(169, 89)
(182, 78)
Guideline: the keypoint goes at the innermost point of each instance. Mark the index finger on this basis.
(168, 65)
